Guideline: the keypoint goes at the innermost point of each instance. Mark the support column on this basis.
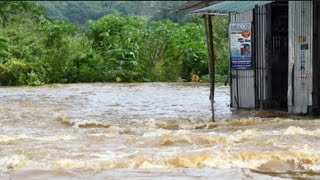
(209, 36)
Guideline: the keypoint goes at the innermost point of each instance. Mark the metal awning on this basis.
(227, 7)
(195, 5)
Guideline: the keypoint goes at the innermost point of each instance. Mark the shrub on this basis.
(18, 72)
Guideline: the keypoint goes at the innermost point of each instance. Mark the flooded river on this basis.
(148, 130)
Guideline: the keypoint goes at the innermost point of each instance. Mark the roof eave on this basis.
(195, 5)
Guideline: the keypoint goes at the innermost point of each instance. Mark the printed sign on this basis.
(240, 46)
(303, 49)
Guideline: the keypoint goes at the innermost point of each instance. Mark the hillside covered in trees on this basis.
(131, 45)
(80, 12)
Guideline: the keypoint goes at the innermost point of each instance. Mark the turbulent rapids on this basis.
(147, 131)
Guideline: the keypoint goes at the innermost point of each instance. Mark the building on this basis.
(284, 72)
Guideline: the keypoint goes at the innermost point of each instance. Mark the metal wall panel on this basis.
(242, 86)
(300, 58)
(246, 16)
(262, 71)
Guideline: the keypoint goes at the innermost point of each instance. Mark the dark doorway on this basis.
(316, 57)
(277, 44)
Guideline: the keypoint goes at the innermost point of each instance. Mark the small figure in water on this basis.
(195, 78)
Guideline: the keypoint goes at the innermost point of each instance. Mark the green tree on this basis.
(35, 49)
(55, 43)
(84, 64)
(193, 51)
(10, 8)
(118, 39)
(4, 47)
(157, 53)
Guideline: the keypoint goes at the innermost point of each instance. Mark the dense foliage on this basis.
(35, 50)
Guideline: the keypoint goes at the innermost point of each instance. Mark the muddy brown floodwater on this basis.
(148, 130)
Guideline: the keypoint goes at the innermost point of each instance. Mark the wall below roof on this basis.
(300, 75)
(242, 86)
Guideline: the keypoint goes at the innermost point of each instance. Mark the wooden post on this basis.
(209, 36)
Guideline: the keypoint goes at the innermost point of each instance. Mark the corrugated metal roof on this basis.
(230, 7)
(194, 5)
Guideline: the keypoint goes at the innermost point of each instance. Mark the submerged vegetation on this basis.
(35, 49)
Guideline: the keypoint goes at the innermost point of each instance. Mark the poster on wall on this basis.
(303, 53)
(240, 46)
